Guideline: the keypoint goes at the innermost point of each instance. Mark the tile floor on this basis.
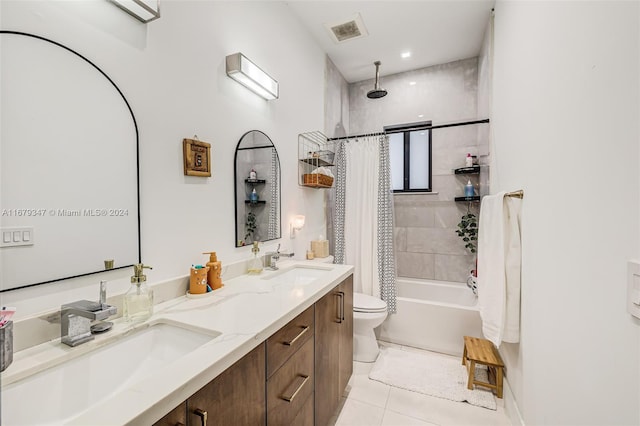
(370, 403)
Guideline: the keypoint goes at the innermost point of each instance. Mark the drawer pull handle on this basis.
(340, 315)
(202, 414)
(292, 341)
(288, 398)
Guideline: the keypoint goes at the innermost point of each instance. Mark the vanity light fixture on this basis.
(297, 224)
(245, 72)
(143, 10)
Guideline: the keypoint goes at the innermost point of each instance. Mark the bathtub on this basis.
(432, 315)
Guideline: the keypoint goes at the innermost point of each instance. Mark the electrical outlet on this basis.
(17, 236)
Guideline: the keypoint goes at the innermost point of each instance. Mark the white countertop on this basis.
(246, 311)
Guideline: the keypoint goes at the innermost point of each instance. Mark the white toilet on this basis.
(368, 313)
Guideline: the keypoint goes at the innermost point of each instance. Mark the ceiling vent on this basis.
(343, 31)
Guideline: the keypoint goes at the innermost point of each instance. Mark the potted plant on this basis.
(468, 231)
(250, 226)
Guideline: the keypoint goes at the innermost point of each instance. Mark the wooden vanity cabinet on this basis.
(177, 417)
(236, 397)
(296, 377)
(334, 349)
(290, 387)
(290, 372)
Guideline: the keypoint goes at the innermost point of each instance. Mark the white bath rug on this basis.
(431, 374)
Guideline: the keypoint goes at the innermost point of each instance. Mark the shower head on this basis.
(377, 91)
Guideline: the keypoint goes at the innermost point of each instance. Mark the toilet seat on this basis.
(368, 304)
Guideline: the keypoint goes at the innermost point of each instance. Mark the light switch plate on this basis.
(17, 236)
(633, 288)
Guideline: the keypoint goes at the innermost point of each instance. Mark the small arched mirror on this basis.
(257, 180)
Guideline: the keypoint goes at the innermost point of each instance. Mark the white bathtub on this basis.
(432, 315)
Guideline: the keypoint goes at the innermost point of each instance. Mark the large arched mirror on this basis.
(257, 180)
(69, 165)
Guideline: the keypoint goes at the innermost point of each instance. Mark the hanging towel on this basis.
(499, 264)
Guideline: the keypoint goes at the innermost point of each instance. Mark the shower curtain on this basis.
(364, 216)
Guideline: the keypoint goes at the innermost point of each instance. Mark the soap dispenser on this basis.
(214, 276)
(255, 264)
(138, 301)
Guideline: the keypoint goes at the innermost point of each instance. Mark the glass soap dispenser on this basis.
(138, 301)
(255, 264)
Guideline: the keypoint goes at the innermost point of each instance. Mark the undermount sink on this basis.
(299, 275)
(62, 392)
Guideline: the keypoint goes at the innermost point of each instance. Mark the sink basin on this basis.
(298, 275)
(66, 390)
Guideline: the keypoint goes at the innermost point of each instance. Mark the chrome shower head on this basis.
(377, 92)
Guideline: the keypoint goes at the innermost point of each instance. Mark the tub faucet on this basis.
(272, 257)
(76, 317)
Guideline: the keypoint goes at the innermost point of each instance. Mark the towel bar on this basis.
(516, 194)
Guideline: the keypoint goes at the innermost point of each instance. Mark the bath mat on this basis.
(431, 374)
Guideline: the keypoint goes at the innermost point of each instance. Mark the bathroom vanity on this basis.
(274, 348)
(295, 377)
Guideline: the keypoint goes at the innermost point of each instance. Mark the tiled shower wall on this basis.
(425, 239)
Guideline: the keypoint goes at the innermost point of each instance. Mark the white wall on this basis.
(172, 72)
(565, 129)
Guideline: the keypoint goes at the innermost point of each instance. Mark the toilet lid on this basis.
(365, 303)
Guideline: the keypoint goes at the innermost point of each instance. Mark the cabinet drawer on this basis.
(290, 387)
(305, 416)
(286, 341)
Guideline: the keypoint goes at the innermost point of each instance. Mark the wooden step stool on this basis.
(481, 351)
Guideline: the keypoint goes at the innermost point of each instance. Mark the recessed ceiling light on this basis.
(405, 55)
(412, 83)
(420, 115)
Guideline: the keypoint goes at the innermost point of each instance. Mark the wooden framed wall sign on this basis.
(197, 157)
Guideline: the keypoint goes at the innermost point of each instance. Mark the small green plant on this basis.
(250, 225)
(468, 231)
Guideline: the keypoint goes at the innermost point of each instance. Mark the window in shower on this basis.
(410, 157)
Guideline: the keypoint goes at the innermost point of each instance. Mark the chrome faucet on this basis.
(272, 257)
(76, 317)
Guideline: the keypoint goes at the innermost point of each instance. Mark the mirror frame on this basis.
(235, 183)
(135, 125)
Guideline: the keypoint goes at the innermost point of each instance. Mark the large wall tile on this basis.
(453, 268)
(415, 216)
(415, 265)
(448, 214)
(400, 239)
(435, 241)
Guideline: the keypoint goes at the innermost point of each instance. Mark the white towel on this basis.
(499, 264)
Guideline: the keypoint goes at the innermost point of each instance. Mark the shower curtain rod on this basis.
(428, 127)
(357, 136)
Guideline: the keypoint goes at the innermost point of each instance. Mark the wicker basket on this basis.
(317, 179)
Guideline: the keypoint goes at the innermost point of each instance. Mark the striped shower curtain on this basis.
(363, 224)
